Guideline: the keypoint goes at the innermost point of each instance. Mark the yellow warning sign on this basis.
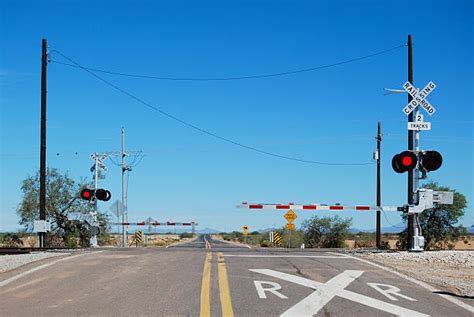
(290, 226)
(290, 216)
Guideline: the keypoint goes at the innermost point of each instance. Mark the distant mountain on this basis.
(207, 231)
(154, 230)
(266, 230)
(399, 227)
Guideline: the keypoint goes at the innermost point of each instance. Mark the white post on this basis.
(93, 239)
(418, 240)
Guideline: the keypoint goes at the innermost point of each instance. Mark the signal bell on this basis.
(404, 161)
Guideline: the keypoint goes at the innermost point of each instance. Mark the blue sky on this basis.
(327, 115)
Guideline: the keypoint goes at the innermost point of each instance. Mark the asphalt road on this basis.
(206, 277)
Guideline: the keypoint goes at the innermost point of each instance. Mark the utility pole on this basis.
(138, 155)
(379, 141)
(411, 175)
(124, 213)
(42, 193)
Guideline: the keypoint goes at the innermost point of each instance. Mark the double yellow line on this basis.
(208, 245)
(224, 292)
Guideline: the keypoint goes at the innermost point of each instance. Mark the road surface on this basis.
(207, 277)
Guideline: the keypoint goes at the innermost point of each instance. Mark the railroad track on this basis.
(13, 250)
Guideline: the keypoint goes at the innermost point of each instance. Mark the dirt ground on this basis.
(464, 243)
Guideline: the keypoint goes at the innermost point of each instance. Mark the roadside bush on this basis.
(11, 240)
(186, 235)
(297, 238)
(364, 240)
(326, 232)
(265, 243)
(384, 245)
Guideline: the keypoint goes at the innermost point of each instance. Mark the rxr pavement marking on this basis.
(324, 292)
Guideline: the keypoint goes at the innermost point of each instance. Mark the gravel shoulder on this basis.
(451, 271)
(12, 261)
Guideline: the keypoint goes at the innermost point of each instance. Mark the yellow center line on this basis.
(224, 291)
(206, 287)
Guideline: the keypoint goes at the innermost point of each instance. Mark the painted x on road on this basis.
(324, 292)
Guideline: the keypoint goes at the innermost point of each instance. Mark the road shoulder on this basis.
(464, 302)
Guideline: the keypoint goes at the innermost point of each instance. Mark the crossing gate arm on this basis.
(318, 207)
(155, 223)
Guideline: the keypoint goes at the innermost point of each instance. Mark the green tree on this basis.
(326, 232)
(62, 198)
(439, 224)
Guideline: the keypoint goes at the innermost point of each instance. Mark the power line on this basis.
(386, 218)
(190, 125)
(257, 76)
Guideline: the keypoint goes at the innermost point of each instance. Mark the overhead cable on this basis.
(257, 76)
(195, 127)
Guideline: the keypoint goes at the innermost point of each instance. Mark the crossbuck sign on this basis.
(419, 98)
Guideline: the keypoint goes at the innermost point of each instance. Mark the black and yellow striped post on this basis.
(139, 237)
(277, 239)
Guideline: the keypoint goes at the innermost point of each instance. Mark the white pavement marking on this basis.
(16, 277)
(285, 256)
(417, 282)
(389, 290)
(324, 292)
(273, 289)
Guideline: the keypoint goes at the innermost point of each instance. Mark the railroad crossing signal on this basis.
(419, 98)
(100, 194)
(426, 160)
(290, 216)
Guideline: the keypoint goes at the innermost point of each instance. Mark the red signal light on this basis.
(407, 160)
(404, 161)
(87, 194)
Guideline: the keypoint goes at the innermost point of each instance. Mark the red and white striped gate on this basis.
(154, 223)
(318, 207)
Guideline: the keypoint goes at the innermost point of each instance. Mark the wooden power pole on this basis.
(42, 193)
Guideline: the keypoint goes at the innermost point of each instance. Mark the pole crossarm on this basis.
(318, 207)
